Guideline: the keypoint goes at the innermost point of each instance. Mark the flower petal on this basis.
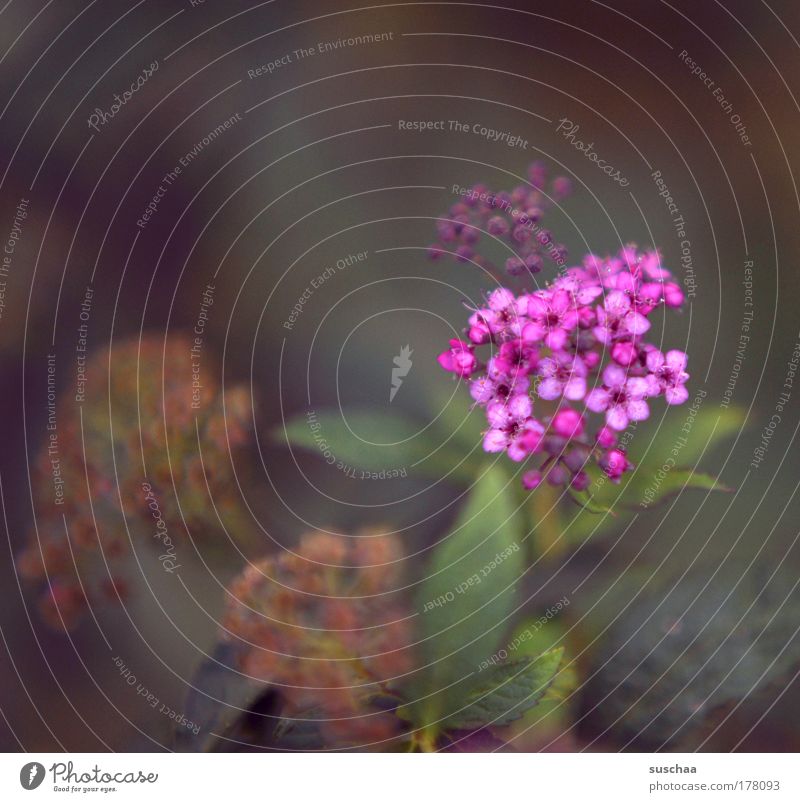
(575, 388)
(637, 387)
(519, 406)
(614, 375)
(617, 304)
(556, 339)
(495, 440)
(638, 410)
(655, 360)
(636, 323)
(497, 414)
(597, 400)
(446, 360)
(676, 395)
(676, 360)
(549, 389)
(533, 332)
(617, 417)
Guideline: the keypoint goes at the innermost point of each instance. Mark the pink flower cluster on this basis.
(513, 218)
(549, 346)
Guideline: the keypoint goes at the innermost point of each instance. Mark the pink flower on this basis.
(459, 358)
(497, 226)
(553, 316)
(567, 423)
(614, 464)
(673, 295)
(591, 319)
(651, 266)
(643, 295)
(606, 437)
(481, 326)
(564, 375)
(531, 480)
(486, 389)
(625, 353)
(511, 217)
(669, 375)
(558, 474)
(580, 481)
(501, 300)
(512, 428)
(514, 358)
(562, 188)
(617, 317)
(621, 398)
(582, 289)
(508, 313)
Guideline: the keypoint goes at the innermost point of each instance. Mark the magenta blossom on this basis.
(513, 429)
(617, 317)
(531, 480)
(615, 463)
(673, 295)
(562, 374)
(582, 292)
(668, 375)
(606, 437)
(567, 423)
(514, 358)
(459, 358)
(486, 389)
(500, 320)
(585, 329)
(514, 218)
(620, 397)
(553, 316)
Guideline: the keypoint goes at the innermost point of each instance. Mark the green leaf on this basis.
(587, 503)
(532, 637)
(679, 439)
(677, 480)
(467, 597)
(507, 691)
(706, 430)
(374, 441)
(638, 493)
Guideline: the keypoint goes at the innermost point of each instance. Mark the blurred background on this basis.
(273, 169)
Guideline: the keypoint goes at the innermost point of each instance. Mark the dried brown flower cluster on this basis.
(129, 460)
(324, 625)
